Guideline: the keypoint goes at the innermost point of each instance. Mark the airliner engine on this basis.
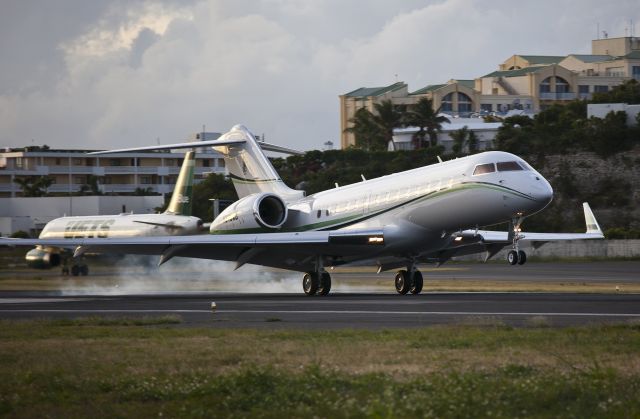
(38, 258)
(254, 212)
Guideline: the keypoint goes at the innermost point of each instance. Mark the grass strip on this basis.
(123, 368)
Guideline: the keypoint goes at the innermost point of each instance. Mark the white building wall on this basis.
(600, 110)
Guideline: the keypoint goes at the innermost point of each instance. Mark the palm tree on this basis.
(387, 117)
(33, 186)
(428, 121)
(459, 139)
(366, 130)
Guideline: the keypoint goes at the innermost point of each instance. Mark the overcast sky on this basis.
(108, 74)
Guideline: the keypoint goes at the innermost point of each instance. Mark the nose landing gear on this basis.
(515, 255)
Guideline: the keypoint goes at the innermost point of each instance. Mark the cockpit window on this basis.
(481, 169)
(508, 166)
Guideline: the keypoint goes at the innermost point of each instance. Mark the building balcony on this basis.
(557, 96)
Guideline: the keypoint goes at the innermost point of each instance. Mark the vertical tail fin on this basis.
(249, 168)
(180, 203)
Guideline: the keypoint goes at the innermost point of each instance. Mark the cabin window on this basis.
(481, 169)
(508, 166)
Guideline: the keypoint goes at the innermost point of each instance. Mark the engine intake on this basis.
(41, 259)
(253, 213)
(270, 211)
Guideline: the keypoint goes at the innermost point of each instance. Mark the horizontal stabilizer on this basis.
(159, 224)
(192, 144)
(195, 144)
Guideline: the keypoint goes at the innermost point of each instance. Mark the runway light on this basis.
(213, 306)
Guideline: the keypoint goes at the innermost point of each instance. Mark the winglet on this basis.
(590, 220)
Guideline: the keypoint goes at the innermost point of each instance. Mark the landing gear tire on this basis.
(402, 282)
(325, 284)
(522, 257)
(512, 257)
(65, 270)
(310, 283)
(84, 270)
(75, 270)
(416, 288)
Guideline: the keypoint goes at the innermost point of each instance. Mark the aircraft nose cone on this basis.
(542, 190)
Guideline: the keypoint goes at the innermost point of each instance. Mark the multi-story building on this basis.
(526, 82)
(122, 173)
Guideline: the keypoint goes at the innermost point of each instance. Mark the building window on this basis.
(487, 107)
(77, 162)
(600, 89)
(114, 162)
(19, 163)
(562, 86)
(206, 163)
(57, 162)
(79, 180)
(220, 162)
(145, 180)
(107, 180)
(545, 86)
(583, 89)
(447, 103)
(635, 72)
(464, 103)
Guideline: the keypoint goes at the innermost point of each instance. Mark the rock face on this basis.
(611, 186)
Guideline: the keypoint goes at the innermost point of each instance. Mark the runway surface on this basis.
(372, 311)
(350, 305)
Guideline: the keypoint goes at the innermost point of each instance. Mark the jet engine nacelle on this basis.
(41, 259)
(258, 211)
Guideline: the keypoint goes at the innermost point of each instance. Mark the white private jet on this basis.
(175, 220)
(429, 214)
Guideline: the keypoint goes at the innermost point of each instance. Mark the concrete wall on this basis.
(574, 249)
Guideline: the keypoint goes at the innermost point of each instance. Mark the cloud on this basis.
(126, 73)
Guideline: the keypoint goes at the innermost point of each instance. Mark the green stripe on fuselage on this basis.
(357, 218)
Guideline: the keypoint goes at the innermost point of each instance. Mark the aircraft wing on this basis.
(293, 250)
(490, 242)
(593, 232)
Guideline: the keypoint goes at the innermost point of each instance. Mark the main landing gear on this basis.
(409, 281)
(76, 269)
(314, 283)
(515, 255)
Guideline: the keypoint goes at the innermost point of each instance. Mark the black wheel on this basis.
(75, 270)
(325, 284)
(417, 283)
(310, 283)
(522, 257)
(84, 270)
(512, 257)
(65, 270)
(402, 282)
